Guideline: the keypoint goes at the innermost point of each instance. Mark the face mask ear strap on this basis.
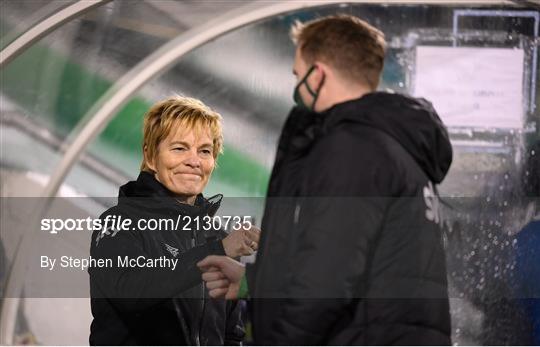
(304, 81)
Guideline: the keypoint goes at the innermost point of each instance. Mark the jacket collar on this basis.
(148, 191)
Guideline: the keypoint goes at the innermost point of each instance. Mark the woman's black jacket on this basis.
(158, 305)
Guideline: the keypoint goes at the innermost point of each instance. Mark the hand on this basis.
(241, 242)
(222, 276)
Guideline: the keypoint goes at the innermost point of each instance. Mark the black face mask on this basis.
(315, 94)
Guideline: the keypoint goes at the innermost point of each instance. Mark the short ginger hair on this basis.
(179, 112)
(348, 44)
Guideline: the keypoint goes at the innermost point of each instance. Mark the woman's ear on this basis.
(149, 159)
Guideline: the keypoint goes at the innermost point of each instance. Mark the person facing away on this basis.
(167, 305)
(351, 248)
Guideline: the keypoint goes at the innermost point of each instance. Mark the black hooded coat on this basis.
(351, 250)
(158, 306)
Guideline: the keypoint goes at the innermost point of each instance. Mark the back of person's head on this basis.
(177, 112)
(348, 44)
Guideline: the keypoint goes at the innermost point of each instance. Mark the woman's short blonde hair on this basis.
(178, 112)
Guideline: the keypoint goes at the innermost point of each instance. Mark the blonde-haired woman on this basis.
(153, 294)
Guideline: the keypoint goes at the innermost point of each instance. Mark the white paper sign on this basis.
(472, 87)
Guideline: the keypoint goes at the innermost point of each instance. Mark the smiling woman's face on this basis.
(184, 162)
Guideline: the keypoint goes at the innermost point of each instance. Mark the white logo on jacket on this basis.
(431, 199)
(172, 250)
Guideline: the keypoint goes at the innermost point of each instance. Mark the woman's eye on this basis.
(178, 148)
(206, 151)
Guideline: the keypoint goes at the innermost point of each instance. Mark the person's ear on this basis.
(150, 162)
(319, 74)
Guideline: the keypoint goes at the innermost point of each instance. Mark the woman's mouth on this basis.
(190, 175)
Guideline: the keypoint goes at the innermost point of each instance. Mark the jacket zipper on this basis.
(197, 336)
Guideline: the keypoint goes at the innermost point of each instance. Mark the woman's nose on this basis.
(193, 160)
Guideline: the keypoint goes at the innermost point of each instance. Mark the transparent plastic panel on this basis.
(48, 89)
(17, 17)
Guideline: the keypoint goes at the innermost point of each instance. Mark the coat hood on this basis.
(414, 123)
